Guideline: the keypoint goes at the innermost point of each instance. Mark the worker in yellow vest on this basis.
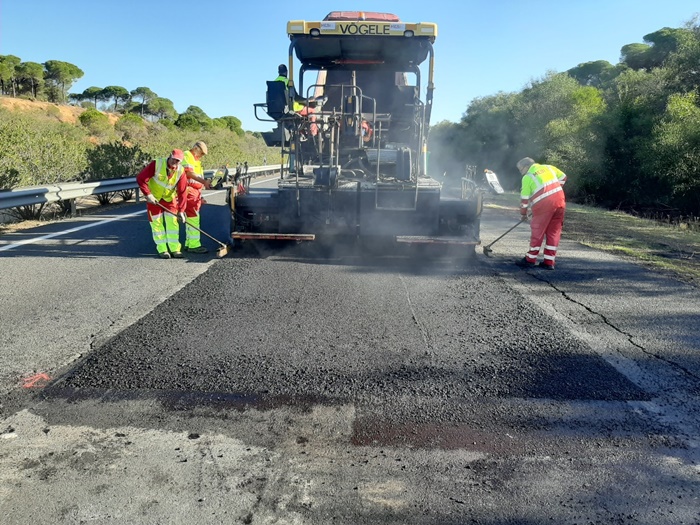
(164, 185)
(297, 101)
(192, 164)
(542, 194)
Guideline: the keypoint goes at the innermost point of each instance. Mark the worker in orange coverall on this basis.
(164, 185)
(542, 193)
(192, 165)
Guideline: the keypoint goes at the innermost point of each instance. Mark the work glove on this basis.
(183, 218)
(150, 199)
(524, 218)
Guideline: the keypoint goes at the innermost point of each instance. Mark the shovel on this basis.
(223, 250)
(487, 248)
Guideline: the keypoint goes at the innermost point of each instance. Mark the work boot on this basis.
(524, 263)
(164, 255)
(198, 249)
(546, 266)
(177, 255)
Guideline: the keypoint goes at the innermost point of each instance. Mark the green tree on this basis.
(193, 119)
(597, 74)
(576, 140)
(30, 76)
(117, 94)
(6, 75)
(636, 101)
(543, 101)
(94, 94)
(657, 48)
(664, 43)
(161, 108)
(145, 94)
(675, 151)
(490, 133)
(8, 66)
(59, 77)
(188, 122)
(684, 73)
(232, 123)
(636, 56)
(555, 119)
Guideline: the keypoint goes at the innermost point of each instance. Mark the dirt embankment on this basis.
(63, 113)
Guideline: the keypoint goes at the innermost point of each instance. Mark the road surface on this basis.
(292, 389)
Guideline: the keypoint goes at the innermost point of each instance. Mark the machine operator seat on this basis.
(404, 105)
(278, 109)
(276, 99)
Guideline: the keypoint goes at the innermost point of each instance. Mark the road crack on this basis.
(628, 336)
(424, 332)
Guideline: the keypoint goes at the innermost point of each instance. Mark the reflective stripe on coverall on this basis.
(164, 226)
(194, 202)
(542, 192)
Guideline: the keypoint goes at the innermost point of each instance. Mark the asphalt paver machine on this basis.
(353, 141)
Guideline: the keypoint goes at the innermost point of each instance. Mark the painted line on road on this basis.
(10, 246)
(65, 232)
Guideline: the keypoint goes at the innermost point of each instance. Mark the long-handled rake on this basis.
(223, 250)
(487, 248)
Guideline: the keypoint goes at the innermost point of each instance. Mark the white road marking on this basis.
(10, 246)
(65, 232)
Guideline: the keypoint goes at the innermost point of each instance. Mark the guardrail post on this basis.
(138, 194)
(73, 210)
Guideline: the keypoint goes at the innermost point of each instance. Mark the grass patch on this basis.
(662, 246)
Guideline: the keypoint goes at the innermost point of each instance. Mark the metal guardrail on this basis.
(73, 190)
(59, 192)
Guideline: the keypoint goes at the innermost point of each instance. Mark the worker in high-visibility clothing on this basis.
(297, 101)
(543, 195)
(192, 164)
(301, 106)
(164, 185)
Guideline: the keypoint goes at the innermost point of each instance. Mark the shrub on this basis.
(132, 127)
(114, 160)
(95, 121)
(9, 179)
(38, 151)
(53, 112)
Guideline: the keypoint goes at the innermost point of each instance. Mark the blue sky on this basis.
(217, 54)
